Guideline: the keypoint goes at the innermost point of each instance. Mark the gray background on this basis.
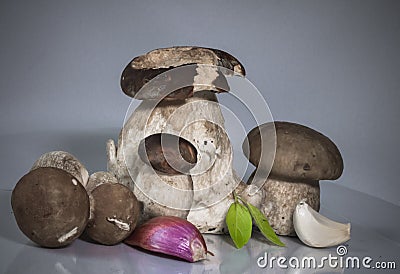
(331, 65)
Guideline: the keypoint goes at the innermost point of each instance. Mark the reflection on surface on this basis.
(238, 261)
(19, 255)
(84, 257)
(33, 259)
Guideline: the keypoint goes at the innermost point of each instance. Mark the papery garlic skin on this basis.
(316, 230)
(172, 236)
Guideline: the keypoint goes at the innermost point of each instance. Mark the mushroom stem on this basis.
(111, 156)
(65, 161)
(281, 198)
(198, 120)
(152, 189)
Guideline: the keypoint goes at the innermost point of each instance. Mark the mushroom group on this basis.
(174, 158)
(302, 157)
(57, 201)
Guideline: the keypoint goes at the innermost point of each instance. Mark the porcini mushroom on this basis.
(114, 209)
(174, 84)
(303, 157)
(50, 206)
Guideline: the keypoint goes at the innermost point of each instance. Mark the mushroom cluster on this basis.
(174, 158)
(302, 157)
(173, 151)
(57, 201)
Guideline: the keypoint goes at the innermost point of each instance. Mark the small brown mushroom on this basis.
(168, 153)
(65, 161)
(144, 68)
(303, 157)
(50, 206)
(114, 209)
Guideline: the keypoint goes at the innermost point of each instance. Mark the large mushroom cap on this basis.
(144, 68)
(50, 206)
(301, 152)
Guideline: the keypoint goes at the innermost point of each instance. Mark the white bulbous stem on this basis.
(210, 183)
(131, 171)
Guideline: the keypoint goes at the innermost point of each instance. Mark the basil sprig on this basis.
(239, 222)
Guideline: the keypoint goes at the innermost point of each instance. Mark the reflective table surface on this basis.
(375, 234)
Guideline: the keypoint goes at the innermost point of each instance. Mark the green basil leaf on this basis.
(239, 224)
(263, 225)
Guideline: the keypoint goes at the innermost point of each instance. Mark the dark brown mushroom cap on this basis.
(50, 206)
(301, 152)
(168, 153)
(115, 211)
(144, 68)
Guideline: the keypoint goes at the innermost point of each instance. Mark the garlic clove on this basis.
(172, 236)
(316, 230)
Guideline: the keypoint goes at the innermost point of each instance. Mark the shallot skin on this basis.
(172, 236)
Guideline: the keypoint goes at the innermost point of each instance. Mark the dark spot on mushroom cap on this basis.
(167, 153)
(301, 152)
(146, 67)
(47, 205)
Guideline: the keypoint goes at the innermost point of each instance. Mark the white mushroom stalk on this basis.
(199, 120)
(152, 189)
(65, 161)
